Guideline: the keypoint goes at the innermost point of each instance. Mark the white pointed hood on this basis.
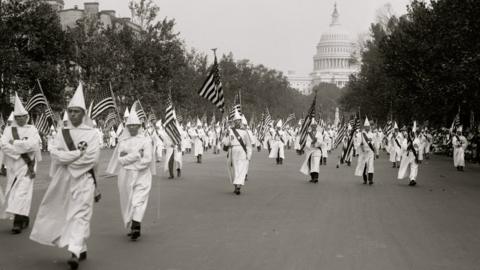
(133, 118)
(244, 120)
(199, 123)
(19, 110)
(78, 99)
(127, 113)
(10, 117)
(414, 128)
(395, 126)
(65, 116)
(367, 123)
(279, 123)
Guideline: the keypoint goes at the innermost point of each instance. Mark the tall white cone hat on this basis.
(367, 123)
(78, 99)
(127, 113)
(19, 109)
(133, 118)
(236, 115)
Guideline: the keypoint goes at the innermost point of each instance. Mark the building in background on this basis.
(301, 83)
(107, 18)
(334, 60)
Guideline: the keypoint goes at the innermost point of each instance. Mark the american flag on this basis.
(341, 133)
(290, 117)
(103, 102)
(355, 123)
(307, 122)
(38, 98)
(266, 121)
(42, 124)
(212, 87)
(171, 123)
(139, 109)
(388, 127)
(111, 119)
(236, 106)
(456, 122)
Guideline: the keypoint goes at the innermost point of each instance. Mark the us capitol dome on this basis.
(333, 61)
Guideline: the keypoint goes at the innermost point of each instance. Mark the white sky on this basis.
(280, 34)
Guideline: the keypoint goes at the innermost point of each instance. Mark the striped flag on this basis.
(111, 119)
(236, 106)
(139, 109)
(179, 118)
(307, 122)
(171, 123)
(212, 87)
(355, 123)
(104, 101)
(289, 118)
(42, 124)
(388, 128)
(456, 122)
(341, 133)
(266, 122)
(39, 99)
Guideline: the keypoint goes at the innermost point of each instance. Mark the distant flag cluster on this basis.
(264, 123)
(290, 117)
(212, 87)
(38, 98)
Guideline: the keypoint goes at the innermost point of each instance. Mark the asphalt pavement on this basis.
(280, 221)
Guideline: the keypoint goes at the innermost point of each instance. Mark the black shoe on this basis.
(179, 173)
(135, 230)
(364, 179)
(370, 178)
(170, 177)
(394, 165)
(370, 182)
(17, 224)
(237, 190)
(315, 181)
(83, 256)
(25, 222)
(312, 181)
(73, 262)
(412, 183)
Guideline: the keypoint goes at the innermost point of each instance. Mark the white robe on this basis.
(313, 155)
(63, 218)
(19, 189)
(459, 146)
(172, 149)
(395, 150)
(238, 159)
(198, 140)
(408, 158)
(134, 176)
(278, 145)
(366, 155)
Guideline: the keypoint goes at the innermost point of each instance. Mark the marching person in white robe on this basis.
(112, 140)
(313, 157)
(239, 148)
(197, 135)
(173, 157)
(278, 144)
(366, 154)
(3, 169)
(134, 163)
(325, 146)
(459, 143)
(394, 146)
(410, 152)
(20, 145)
(63, 219)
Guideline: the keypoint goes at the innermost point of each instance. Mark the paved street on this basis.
(280, 221)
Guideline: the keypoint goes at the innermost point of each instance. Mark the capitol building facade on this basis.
(333, 62)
